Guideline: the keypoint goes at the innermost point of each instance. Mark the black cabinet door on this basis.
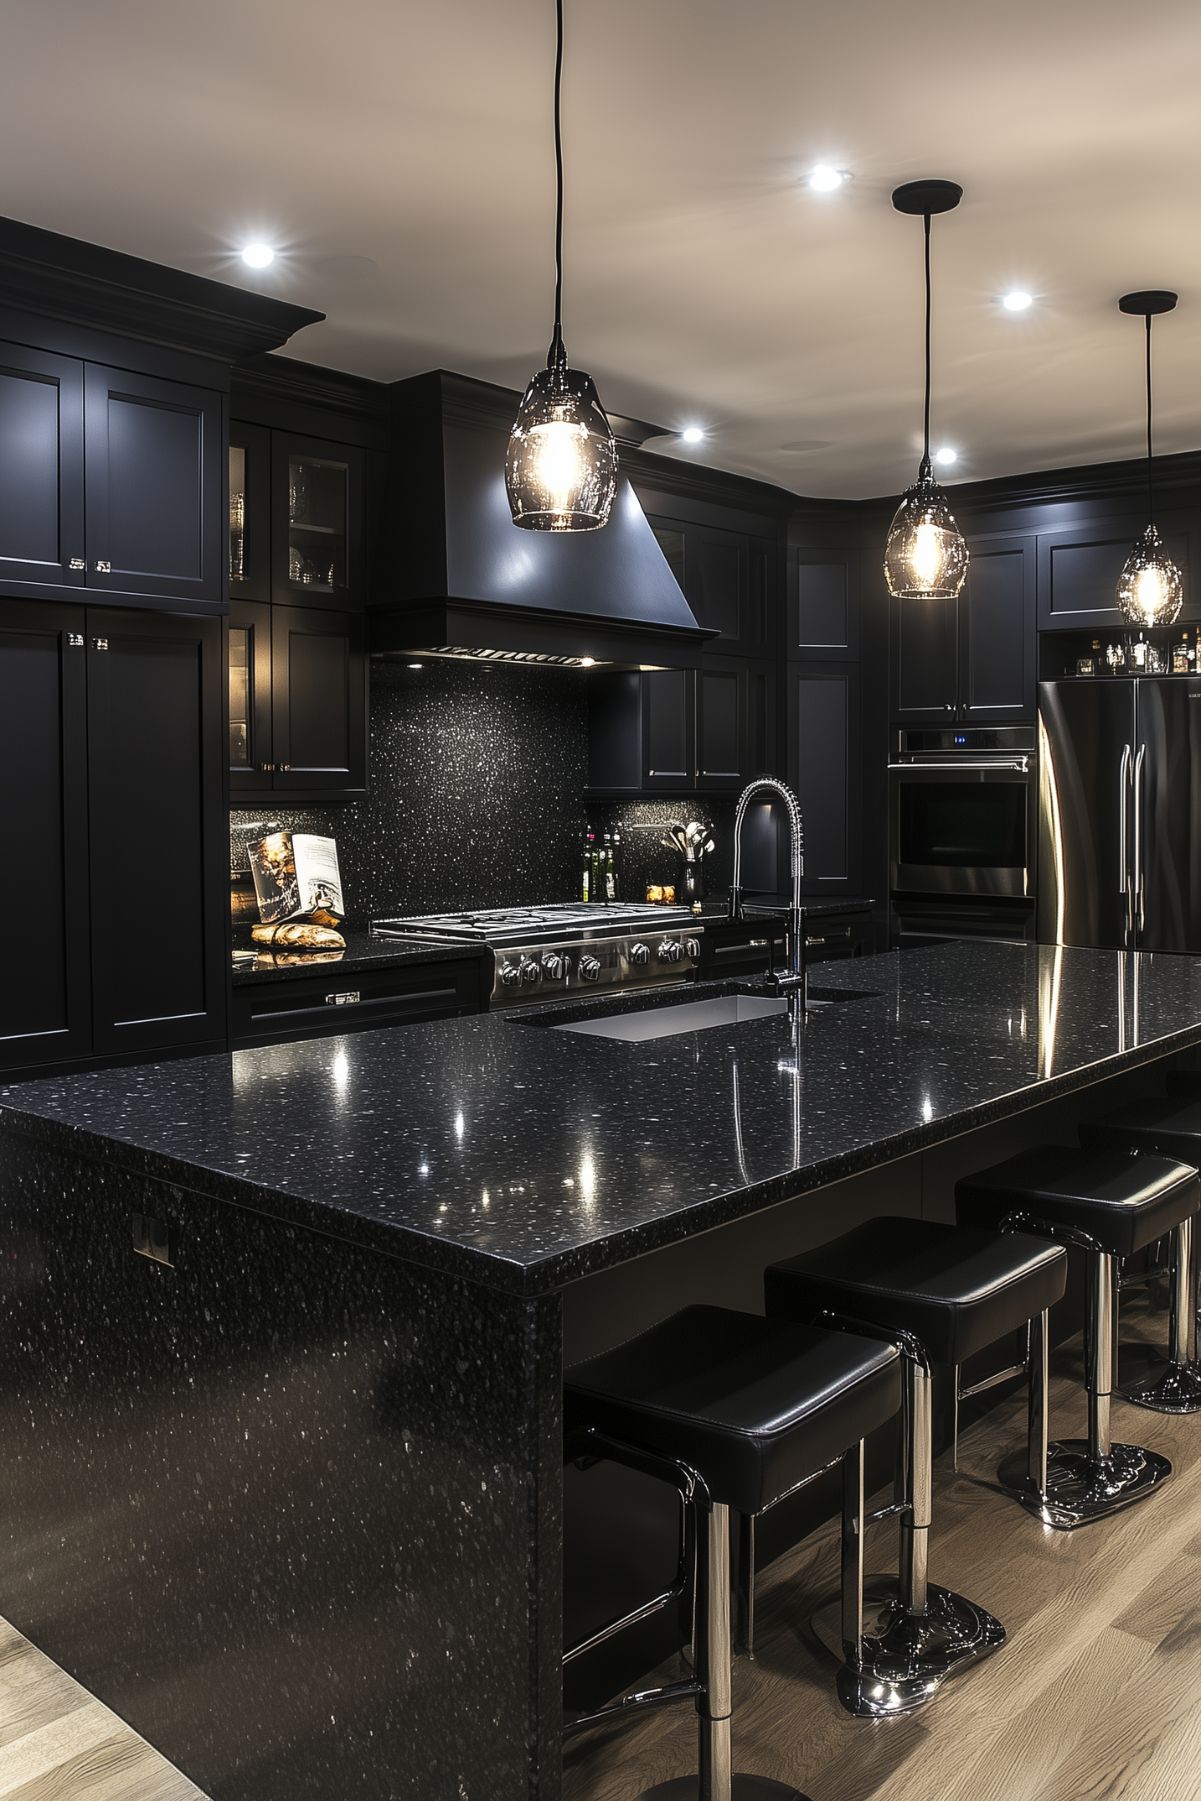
(249, 512)
(45, 997)
(763, 752)
(721, 723)
(41, 468)
(248, 638)
(823, 605)
(1079, 567)
(318, 700)
(317, 522)
(716, 566)
(997, 639)
(925, 660)
(157, 830)
(668, 729)
(825, 767)
(155, 487)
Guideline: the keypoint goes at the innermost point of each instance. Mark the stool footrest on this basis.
(670, 1692)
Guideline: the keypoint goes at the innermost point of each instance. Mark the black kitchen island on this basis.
(284, 1330)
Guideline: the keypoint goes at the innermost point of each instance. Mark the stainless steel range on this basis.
(544, 953)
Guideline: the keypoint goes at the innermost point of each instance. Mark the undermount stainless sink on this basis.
(669, 1022)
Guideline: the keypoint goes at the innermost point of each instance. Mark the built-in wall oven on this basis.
(963, 830)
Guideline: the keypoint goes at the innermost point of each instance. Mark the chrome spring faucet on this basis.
(767, 784)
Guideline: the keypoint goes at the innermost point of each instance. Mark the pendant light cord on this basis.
(557, 352)
(926, 452)
(1150, 464)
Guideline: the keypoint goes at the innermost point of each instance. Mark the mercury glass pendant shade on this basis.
(561, 465)
(1150, 588)
(925, 556)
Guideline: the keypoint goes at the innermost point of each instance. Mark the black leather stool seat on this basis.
(957, 1290)
(754, 1406)
(1123, 1201)
(1170, 1127)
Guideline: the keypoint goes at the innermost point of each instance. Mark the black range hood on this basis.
(456, 577)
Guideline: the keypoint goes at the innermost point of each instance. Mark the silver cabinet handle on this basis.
(348, 997)
(103, 567)
(1123, 846)
(78, 563)
(99, 643)
(1138, 834)
(75, 640)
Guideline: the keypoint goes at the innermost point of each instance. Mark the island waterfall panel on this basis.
(290, 1508)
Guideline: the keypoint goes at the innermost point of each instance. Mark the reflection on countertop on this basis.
(526, 1158)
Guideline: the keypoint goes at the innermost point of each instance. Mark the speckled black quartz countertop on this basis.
(363, 951)
(525, 1157)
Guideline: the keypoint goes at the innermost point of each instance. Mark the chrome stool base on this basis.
(1081, 1487)
(742, 1788)
(906, 1657)
(1167, 1388)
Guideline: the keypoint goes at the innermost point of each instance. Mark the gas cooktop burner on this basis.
(542, 952)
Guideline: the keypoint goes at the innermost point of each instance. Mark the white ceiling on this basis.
(401, 153)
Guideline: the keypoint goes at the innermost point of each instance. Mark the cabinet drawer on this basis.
(331, 1000)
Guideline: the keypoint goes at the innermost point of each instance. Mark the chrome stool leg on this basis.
(714, 1667)
(1089, 1479)
(1176, 1387)
(913, 1635)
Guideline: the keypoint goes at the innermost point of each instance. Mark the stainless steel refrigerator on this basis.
(1119, 860)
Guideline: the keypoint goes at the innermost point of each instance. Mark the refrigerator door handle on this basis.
(1138, 835)
(1124, 884)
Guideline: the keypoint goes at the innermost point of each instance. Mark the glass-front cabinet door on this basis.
(318, 513)
(249, 512)
(250, 754)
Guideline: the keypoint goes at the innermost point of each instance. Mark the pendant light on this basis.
(925, 557)
(561, 467)
(1150, 588)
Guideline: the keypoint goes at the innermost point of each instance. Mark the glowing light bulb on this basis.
(826, 179)
(692, 434)
(925, 559)
(558, 462)
(1017, 300)
(258, 255)
(1151, 589)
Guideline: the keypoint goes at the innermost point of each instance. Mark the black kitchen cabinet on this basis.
(41, 468)
(268, 1010)
(824, 605)
(318, 700)
(297, 702)
(45, 1012)
(824, 768)
(110, 734)
(153, 482)
(973, 657)
(728, 578)
(681, 730)
(249, 512)
(1079, 567)
(318, 533)
(112, 482)
(157, 830)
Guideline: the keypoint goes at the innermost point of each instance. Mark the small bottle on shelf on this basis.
(1138, 655)
(586, 869)
(1182, 656)
(618, 868)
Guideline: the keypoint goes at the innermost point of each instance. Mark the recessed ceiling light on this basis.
(416, 665)
(946, 456)
(258, 255)
(826, 179)
(1017, 300)
(692, 434)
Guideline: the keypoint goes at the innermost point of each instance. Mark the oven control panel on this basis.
(541, 972)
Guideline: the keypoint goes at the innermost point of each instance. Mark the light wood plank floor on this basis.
(1097, 1696)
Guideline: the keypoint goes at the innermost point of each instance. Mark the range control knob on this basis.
(692, 949)
(640, 953)
(670, 951)
(510, 975)
(552, 966)
(530, 971)
(590, 968)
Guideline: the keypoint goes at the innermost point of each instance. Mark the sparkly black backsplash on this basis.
(477, 780)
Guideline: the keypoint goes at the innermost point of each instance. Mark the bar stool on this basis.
(942, 1294)
(1171, 1128)
(737, 1412)
(1111, 1204)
